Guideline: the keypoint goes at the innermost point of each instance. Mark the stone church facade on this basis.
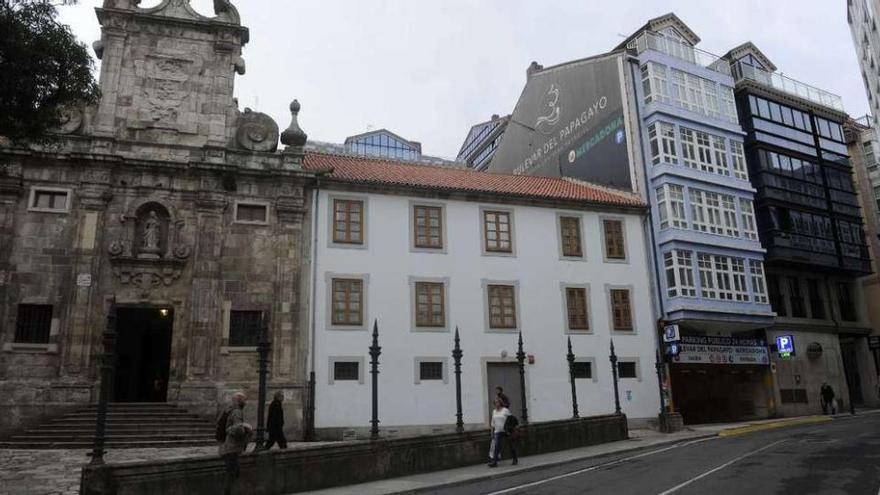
(168, 202)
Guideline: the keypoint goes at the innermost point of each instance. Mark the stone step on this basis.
(128, 425)
(158, 429)
(111, 444)
(118, 437)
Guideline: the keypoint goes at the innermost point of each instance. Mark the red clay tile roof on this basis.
(366, 170)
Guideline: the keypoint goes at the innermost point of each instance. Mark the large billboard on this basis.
(569, 122)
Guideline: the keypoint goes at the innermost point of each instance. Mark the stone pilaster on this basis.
(85, 319)
(10, 195)
(290, 209)
(206, 309)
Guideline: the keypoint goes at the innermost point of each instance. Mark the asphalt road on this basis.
(840, 457)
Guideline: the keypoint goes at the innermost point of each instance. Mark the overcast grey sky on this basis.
(428, 70)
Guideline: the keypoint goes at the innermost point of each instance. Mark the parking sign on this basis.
(785, 345)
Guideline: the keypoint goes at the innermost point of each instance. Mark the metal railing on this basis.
(786, 84)
(678, 49)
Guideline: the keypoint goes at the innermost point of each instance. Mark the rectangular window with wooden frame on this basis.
(614, 242)
(348, 221)
(428, 227)
(497, 231)
(570, 232)
(348, 301)
(430, 304)
(576, 304)
(621, 310)
(502, 306)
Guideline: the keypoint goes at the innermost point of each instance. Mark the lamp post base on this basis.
(670, 422)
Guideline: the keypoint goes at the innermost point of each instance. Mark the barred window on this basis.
(496, 229)
(348, 307)
(583, 370)
(576, 303)
(348, 220)
(627, 369)
(621, 309)
(570, 230)
(33, 323)
(502, 306)
(430, 304)
(430, 370)
(614, 243)
(346, 371)
(244, 328)
(428, 228)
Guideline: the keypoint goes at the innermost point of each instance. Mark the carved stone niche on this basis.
(151, 252)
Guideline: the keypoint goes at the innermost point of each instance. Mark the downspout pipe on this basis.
(650, 218)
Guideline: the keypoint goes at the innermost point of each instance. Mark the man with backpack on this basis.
(233, 434)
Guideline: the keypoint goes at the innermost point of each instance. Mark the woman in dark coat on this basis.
(275, 422)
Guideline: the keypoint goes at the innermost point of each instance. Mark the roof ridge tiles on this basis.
(377, 170)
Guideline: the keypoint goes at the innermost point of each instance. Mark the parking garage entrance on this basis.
(720, 379)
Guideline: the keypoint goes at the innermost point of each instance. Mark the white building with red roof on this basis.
(425, 250)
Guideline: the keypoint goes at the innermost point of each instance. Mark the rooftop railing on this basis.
(786, 84)
(678, 49)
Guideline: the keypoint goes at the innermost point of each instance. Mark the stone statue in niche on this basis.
(150, 234)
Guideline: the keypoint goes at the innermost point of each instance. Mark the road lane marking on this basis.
(599, 466)
(719, 468)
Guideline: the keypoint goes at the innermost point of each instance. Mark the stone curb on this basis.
(553, 464)
(743, 430)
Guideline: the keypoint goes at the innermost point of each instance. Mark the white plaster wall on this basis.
(537, 268)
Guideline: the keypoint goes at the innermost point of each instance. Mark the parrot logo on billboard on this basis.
(546, 123)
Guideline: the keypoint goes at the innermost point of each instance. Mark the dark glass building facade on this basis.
(810, 223)
(481, 142)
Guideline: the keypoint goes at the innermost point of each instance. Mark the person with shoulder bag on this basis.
(503, 423)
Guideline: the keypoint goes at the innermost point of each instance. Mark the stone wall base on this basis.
(327, 466)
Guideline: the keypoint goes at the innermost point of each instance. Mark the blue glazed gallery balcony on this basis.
(680, 50)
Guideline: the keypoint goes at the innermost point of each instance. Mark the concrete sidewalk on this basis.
(639, 440)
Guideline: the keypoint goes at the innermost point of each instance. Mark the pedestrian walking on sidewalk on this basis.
(827, 394)
(234, 435)
(501, 428)
(275, 422)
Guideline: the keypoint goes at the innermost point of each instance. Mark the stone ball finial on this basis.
(294, 135)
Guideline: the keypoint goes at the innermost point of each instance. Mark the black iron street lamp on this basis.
(456, 358)
(521, 359)
(375, 351)
(107, 365)
(574, 398)
(659, 366)
(263, 347)
(613, 358)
